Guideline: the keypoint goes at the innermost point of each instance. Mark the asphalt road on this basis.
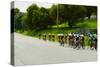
(32, 51)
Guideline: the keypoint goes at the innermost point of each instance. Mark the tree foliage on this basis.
(17, 19)
(71, 13)
(90, 11)
(36, 18)
(53, 13)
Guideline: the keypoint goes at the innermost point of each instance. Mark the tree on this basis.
(71, 13)
(44, 10)
(61, 13)
(49, 19)
(30, 11)
(25, 22)
(90, 11)
(16, 11)
(18, 21)
(53, 14)
(40, 20)
(37, 18)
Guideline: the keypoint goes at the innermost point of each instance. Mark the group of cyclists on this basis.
(74, 40)
(77, 40)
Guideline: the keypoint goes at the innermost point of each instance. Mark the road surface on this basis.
(32, 51)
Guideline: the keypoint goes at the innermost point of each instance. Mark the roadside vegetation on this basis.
(58, 19)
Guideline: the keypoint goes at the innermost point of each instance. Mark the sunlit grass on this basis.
(89, 24)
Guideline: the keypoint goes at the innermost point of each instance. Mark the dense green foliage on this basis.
(57, 16)
(73, 14)
(18, 19)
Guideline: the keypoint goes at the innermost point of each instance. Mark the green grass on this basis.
(91, 24)
(65, 24)
(63, 28)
